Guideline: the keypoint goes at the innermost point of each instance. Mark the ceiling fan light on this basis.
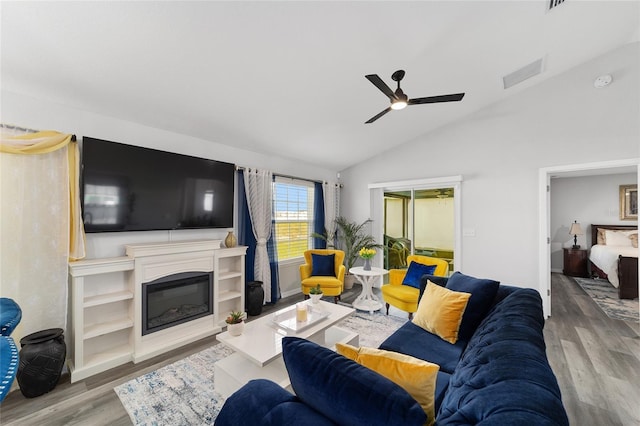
(398, 105)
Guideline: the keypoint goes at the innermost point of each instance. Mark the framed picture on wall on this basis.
(628, 202)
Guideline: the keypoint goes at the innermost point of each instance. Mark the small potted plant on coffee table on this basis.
(315, 293)
(235, 323)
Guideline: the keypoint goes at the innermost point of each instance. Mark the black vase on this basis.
(41, 360)
(254, 297)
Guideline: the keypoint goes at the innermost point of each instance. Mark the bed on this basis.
(617, 263)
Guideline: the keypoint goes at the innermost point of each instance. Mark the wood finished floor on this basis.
(596, 360)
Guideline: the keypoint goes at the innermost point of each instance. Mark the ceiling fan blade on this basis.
(377, 81)
(434, 99)
(375, 117)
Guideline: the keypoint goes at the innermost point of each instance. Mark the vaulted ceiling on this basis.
(288, 77)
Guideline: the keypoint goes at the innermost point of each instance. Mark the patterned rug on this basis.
(606, 297)
(183, 393)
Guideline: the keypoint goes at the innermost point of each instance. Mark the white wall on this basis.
(499, 152)
(587, 199)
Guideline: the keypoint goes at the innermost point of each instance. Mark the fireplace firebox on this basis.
(176, 299)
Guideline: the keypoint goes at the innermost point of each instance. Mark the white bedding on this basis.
(606, 258)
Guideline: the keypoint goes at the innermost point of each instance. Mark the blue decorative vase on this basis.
(367, 265)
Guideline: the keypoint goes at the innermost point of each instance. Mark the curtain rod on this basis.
(293, 177)
(21, 129)
(25, 129)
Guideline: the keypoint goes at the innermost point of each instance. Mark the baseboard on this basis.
(558, 271)
(291, 293)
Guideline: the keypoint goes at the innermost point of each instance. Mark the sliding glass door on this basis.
(419, 221)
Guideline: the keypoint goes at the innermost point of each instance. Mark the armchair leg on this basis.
(336, 299)
(306, 296)
(410, 316)
(387, 305)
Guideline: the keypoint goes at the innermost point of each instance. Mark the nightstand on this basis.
(575, 262)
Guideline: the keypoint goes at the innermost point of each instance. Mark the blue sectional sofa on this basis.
(496, 374)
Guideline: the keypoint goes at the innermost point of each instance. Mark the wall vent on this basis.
(522, 74)
(555, 3)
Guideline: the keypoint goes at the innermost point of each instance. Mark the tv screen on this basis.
(131, 188)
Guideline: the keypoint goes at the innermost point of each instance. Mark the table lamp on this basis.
(575, 231)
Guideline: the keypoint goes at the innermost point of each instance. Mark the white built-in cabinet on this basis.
(106, 328)
(228, 280)
(102, 315)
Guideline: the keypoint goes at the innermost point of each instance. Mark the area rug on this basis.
(183, 393)
(606, 297)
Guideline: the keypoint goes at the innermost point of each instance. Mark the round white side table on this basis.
(367, 301)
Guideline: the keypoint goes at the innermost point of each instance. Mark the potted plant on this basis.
(367, 254)
(235, 323)
(351, 239)
(315, 293)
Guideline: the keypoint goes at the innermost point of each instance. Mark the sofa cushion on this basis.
(416, 376)
(274, 406)
(442, 384)
(415, 272)
(483, 292)
(415, 341)
(440, 311)
(503, 376)
(345, 391)
(323, 265)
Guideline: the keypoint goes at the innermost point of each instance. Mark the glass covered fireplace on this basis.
(176, 299)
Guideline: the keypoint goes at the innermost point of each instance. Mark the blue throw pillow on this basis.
(323, 265)
(345, 391)
(415, 272)
(483, 292)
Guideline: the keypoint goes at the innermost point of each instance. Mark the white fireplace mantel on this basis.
(107, 301)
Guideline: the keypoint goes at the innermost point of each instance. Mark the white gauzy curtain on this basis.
(258, 187)
(35, 225)
(331, 208)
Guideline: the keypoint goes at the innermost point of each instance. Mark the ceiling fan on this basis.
(399, 100)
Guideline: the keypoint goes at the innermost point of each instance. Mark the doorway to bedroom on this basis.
(586, 194)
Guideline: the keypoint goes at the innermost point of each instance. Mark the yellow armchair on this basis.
(330, 285)
(405, 297)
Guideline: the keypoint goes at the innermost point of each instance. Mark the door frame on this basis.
(544, 186)
(376, 192)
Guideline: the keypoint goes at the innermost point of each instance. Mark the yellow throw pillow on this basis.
(414, 375)
(348, 351)
(440, 311)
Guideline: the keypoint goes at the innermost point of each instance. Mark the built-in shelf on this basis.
(228, 295)
(103, 299)
(229, 275)
(106, 301)
(99, 329)
(122, 351)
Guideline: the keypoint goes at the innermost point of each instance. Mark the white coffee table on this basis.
(258, 350)
(367, 301)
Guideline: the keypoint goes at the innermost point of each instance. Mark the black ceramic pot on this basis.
(41, 360)
(254, 297)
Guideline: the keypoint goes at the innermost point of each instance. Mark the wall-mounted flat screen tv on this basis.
(131, 188)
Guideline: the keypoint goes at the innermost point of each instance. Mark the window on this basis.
(293, 213)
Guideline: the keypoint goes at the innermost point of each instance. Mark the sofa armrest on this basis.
(341, 271)
(305, 271)
(262, 402)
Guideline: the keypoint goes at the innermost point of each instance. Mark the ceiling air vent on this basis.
(555, 3)
(522, 74)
